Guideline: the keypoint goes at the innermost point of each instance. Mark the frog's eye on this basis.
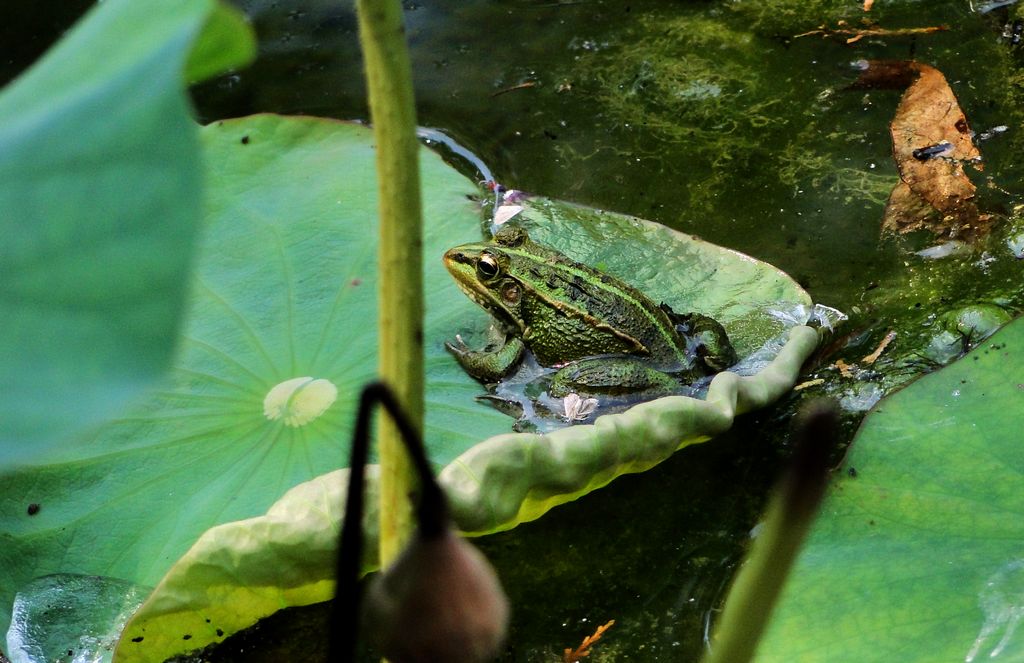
(487, 266)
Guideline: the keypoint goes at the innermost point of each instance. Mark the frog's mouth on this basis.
(461, 264)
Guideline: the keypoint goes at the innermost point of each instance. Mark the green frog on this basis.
(605, 337)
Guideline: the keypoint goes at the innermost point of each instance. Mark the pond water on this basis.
(714, 118)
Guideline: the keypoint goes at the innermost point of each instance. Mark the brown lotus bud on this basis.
(440, 602)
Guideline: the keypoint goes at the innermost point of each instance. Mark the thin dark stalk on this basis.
(431, 511)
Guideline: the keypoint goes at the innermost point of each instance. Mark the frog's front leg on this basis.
(488, 365)
(612, 376)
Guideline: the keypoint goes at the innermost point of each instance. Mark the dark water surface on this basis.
(705, 116)
(708, 116)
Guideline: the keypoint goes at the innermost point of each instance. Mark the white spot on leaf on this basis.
(299, 401)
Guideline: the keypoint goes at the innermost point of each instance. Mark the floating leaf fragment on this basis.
(931, 141)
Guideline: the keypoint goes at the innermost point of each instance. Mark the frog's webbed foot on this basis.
(508, 406)
(487, 365)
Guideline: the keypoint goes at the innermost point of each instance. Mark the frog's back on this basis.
(581, 312)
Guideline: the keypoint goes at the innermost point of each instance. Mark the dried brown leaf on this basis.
(931, 142)
(929, 115)
(905, 212)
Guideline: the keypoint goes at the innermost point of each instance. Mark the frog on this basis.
(602, 336)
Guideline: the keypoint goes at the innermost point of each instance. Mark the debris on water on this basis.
(850, 35)
(810, 383)
(944, 250)
(505, 213)
(506, 202)
(957, 331)
(861, 397)
(873, 357)
(989, 133)
(932, 140)
(513, 196)
(578, 408)
(986, 7)
(932, 151)
(1013, 31)
(846, 370)
(512, 88)
(1015, 243)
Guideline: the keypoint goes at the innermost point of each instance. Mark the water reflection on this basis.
(1002, 604)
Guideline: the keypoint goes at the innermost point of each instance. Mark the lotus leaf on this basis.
(101, 203)
(916, 555)
(496, 484)
(284, 282)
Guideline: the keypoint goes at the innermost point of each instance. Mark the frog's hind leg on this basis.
(617, 376)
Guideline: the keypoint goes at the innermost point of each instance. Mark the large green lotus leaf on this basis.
(271, 177)
(918, 554)
(99, 210)
(285, 288)
(239, 572)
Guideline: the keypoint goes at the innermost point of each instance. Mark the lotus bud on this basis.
(440, 602)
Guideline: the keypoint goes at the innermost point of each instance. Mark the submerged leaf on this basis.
(931, 140)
